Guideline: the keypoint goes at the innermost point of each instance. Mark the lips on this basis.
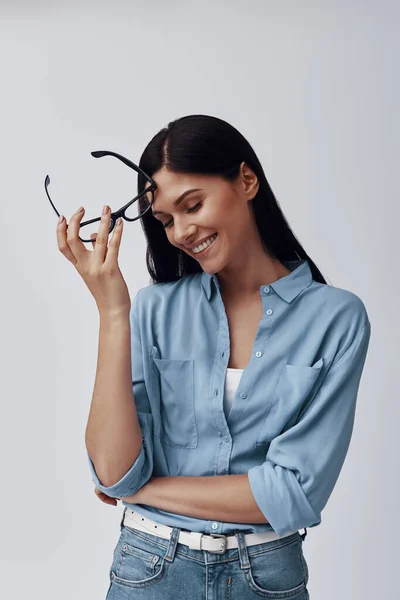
(200, 242)
(205, 250)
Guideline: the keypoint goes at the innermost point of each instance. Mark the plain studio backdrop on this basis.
(314, 87)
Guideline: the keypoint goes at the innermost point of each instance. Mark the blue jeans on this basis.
(148, 567)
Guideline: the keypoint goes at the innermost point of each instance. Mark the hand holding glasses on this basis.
(144, 200)
(99, 268)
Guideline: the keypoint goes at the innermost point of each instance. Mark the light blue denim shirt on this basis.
(292, 416)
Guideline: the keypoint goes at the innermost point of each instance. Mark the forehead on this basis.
(171, 184)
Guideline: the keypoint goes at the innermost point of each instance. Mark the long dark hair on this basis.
(210, 146)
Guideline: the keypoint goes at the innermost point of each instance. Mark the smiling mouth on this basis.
(205, 249)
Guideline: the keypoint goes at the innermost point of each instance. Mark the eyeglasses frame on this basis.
(120, 212)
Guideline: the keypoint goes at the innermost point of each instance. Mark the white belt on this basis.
(214, 542)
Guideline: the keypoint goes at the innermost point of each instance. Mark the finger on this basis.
(104, 498)
(101, 495)
(115, 242)
(93, 238)
(108, 500)
(100, 249)
(63, 245)
(78, 248)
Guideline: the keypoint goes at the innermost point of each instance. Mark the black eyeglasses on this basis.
(145, 199)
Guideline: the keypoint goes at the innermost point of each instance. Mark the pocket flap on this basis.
(304, 372)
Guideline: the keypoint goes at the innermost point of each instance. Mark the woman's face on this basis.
(216, 208)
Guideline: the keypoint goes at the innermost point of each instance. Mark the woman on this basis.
(225, 392)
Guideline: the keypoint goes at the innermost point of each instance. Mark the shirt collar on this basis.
(287, 287)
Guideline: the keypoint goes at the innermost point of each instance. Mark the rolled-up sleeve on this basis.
(142, 468)
(293, 484)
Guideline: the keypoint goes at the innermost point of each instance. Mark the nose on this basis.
(182, 235)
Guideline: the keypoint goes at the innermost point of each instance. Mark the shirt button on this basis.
(214, 525)
(267, 289)
(258, 354)
(269, 311)
(243, 394)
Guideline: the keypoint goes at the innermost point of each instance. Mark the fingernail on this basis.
(80, 209)
(61, 219)
(105, 209)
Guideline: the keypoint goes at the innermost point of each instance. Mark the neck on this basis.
(247, 272)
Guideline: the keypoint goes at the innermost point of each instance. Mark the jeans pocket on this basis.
(178, 426)
(137, 562)
(276, 571)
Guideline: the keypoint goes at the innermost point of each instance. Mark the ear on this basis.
(249, 181)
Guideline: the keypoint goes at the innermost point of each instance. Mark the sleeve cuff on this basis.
(128, 484)
(281, 499)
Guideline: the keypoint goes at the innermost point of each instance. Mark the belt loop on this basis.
(303, 535)
(173, 542)
(243, 556)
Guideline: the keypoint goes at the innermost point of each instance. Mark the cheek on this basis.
(217, 218)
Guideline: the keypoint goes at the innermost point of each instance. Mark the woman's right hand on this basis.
(98, 267)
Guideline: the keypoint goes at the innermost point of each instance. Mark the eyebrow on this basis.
(178, 200)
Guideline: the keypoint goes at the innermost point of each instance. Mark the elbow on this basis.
(109, 474)
(120, 474)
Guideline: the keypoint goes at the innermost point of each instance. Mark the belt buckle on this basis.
(225, 542)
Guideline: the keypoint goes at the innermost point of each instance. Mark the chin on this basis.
(209, 271)
(211, 267)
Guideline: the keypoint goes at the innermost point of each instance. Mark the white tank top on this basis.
(231, 382)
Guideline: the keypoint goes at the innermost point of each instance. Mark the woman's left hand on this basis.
(104, 498)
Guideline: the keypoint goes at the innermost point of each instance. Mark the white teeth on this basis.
(204, 244)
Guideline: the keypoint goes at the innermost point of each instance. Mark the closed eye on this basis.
(189, 210)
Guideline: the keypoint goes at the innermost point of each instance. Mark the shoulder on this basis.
(342, 304)
(154, 293)
(341, 316)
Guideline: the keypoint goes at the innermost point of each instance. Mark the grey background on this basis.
(314, 87)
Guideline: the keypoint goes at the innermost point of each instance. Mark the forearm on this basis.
(113, 435)
(225, 498)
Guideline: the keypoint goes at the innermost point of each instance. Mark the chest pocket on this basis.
(296, 384)
(178, 426)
